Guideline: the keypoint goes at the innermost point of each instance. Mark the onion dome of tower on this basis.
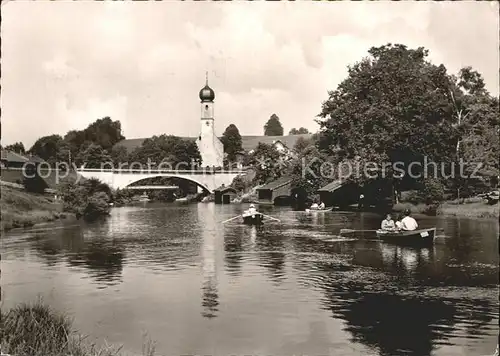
(207, 93)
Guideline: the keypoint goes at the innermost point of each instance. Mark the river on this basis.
(199, 287)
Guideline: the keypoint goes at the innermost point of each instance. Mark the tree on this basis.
(476, 115)
(393, 106)
(171, 149)
(103, 132)
(17, 147)
(94, 156)
(300, 131)
(48, 148)
(273, 126)
(231, 139)
(119, 155)
(267, 162)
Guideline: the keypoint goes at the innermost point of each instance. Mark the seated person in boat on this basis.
(314, 206)
(251, 210)
(399, 225)
(408, 223)
(388, 223)
(321, 206)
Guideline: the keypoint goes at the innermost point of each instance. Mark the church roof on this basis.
(247, 142)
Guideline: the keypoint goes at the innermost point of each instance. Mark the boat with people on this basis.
(421, 236)
(144, 198)
(404, 231)
(318, 208)
(252, 217)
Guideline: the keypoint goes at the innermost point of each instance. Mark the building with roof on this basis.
(280, 188)
(11, 159)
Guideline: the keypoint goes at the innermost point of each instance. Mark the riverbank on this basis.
(37, 330)
(22, 209)
(470, 210)
(473, 208)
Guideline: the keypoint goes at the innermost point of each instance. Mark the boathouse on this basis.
(273, 192)
(339, 194)
(224, 195)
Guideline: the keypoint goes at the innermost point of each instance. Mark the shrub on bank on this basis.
(89, 199)
(36, 330)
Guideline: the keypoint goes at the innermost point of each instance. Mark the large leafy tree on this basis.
(273, 126)
(393, 106)
(299, 131)
(231, 139)
(16, 147)
(102, 132)
(50, 148)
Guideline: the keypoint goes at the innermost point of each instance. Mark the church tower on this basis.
(211, 148)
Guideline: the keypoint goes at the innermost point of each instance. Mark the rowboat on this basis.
(318, 210)
(253, 218)
(422, 236)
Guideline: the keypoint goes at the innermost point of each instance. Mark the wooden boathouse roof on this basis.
(278, 183)
(331, 187)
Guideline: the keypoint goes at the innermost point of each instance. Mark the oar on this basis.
(270, 217)
(225, 221)
(347, 231)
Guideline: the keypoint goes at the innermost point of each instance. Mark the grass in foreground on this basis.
(22, 209)
(36, 330)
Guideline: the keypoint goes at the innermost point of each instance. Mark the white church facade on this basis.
(210, 146)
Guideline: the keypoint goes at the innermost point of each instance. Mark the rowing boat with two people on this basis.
(252, 217)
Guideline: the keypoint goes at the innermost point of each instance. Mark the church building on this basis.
(210, 147)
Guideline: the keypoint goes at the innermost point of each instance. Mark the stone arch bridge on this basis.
(208, 180)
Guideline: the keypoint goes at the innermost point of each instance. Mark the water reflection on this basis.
(210, 297)
(271, 254)
(84, 248)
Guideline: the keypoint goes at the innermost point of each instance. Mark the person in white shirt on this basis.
(408, 223)
(388, 223)
(251, 209)
(321, 206)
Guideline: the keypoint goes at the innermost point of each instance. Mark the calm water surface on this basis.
(199, 287)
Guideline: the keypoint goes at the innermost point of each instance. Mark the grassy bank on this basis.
(21, 209)
(469, 208)
(36, 330)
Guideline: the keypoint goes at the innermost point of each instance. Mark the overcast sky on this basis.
(66, 64)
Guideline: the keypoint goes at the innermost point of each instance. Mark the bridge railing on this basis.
(162, 171)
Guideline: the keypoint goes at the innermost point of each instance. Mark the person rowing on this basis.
(251, 210)
(408, 223)
(388, 223)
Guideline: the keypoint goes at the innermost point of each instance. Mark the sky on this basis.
(66, 64)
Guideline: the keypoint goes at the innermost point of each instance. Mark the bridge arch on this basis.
(197, 182)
